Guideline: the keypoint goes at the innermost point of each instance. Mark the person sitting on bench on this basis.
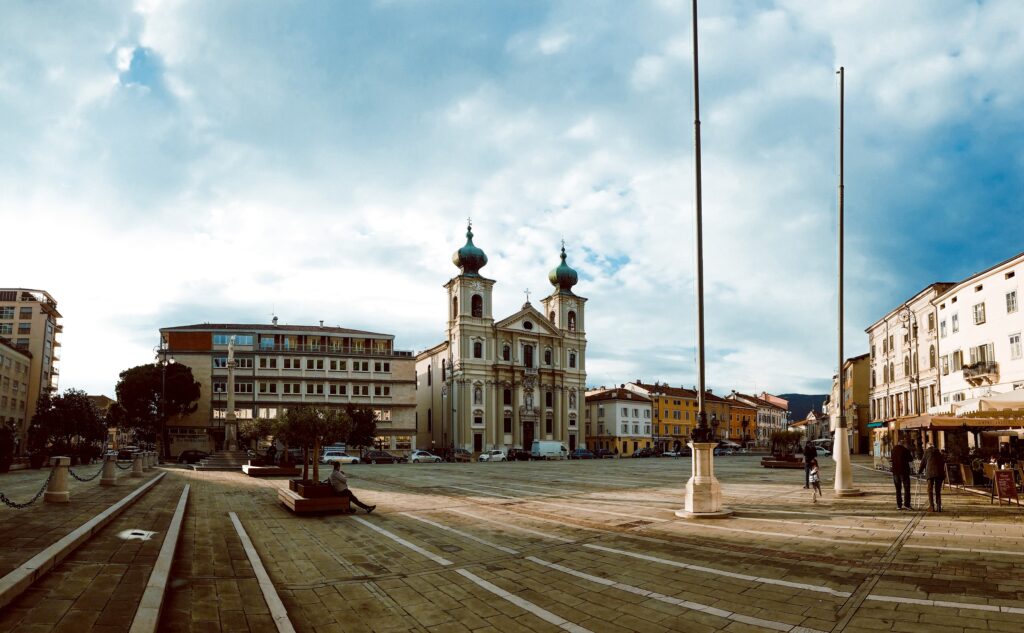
(339, 481)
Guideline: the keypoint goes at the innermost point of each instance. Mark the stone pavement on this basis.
(595, 545)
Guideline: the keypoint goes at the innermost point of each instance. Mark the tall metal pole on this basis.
(841, 442)
(701, 385)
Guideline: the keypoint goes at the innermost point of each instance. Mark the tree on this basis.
(310, 428)
(66, 423)
(362, 430)
(148, 406)
(254, 429)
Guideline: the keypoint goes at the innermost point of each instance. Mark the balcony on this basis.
(530, 371)
(981, 372)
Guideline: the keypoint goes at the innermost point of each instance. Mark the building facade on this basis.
(15, 366)
(619, 420)
(29, 318)
(980, 326)
(772, 414)
(903, 350)
(278, 366)
(503, 383)
(856, 394)
(675, 413)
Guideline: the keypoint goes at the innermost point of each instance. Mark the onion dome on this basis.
(563, 276)
(469, 258)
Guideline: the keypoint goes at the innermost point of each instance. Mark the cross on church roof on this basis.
(527, 291)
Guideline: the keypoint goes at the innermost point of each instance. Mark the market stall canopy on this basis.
(948, 422)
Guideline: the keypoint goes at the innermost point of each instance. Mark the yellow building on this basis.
(742, 422)
(675, 413)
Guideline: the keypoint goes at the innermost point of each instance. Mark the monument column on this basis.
(230, 425)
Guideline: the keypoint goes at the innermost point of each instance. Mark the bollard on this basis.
(147, 460)
(156, 459)
(109, 476)
(136, 464)
(57, 490)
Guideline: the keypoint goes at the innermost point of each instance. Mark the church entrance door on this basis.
(527, 435)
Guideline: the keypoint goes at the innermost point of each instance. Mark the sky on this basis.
(173, 162)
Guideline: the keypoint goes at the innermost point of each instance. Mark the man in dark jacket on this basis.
(934, 468)
(901, 458)
(809, 454)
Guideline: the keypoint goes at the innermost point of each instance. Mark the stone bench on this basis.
(302, 505)
(767, 462)
(271, 471)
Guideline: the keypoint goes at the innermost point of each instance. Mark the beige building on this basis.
(282, 365)
(857, 390)
(904, 358)
(503, 383)
(772, 414)
(15, 365)
(29, 318)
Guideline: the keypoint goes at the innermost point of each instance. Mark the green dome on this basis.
(563, 276)
(469, 258)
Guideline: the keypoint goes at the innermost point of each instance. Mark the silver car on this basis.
(340, 457)
(492, 456)
(417, 457)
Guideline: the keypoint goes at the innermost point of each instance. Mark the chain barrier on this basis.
(123, 467)
(19, 506)
(94, 475)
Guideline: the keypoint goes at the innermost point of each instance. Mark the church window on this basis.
(551, 317)
(455, 307)
(527, 325)
(572, 320)
(478, 350)
(528, 355)
(508, 397)
(931, 357)
(508, 424)
(506, 352)
(444, 368)
(477, 306)
(572, 359)
(548, 399)
(429, 376)
(548, 426)
(547, 357)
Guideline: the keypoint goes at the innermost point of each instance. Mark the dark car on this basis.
(192, 457)
(643, 452)
(603, 453)
(581, 453)
(381, 457)
(462, 455)
(518, 455)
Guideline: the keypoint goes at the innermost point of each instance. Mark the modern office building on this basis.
(282, 365)
(29, 318)
(503, 383)
(15, 365)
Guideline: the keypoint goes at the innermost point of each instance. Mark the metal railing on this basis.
(981, 369)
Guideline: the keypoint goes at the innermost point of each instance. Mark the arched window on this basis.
(478, 349)
(572, 320)
(551, 317)
(915, 365)
(507, 397)
(547, 357)
(477, 306)
(444, 368)
(572, 359)
(931, 357)
(906, 365)
(885, 373)
(873, 378)
(430, 376)
(506, 352)
(455, 307)
(528, 355)
(892, 372)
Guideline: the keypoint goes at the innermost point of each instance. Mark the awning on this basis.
(948, 422)
(993, 402)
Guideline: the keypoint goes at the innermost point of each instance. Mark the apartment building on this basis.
(618, 420)
(904, 357)
(278, 366)
(15, 365)
(856, 395)
(29, 318)
(979, 340)
(675, 413)
(772, 414)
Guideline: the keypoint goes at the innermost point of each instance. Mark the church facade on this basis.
(503, 383)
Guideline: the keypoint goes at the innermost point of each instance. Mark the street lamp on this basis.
(163, 359)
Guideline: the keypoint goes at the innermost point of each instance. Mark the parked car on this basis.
(424, 456)
(643, 452)
(722, 450)
(518, 455)
(381, 457)
(338, 456)
(581, 453)
(603, 453)
(671, 454)
(492, 456)
(192, 457)
(461, 455)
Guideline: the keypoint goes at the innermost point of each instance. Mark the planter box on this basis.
(314, 490)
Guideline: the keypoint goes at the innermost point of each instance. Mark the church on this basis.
(501, 384)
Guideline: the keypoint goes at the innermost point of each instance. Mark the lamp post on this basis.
(163, 359)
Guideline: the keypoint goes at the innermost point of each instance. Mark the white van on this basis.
(547, 449)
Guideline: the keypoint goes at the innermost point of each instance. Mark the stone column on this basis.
(517, 432)
(57, 489)
(137, 464)
(559, 432)
(109, 476)
(703, 492)
(230, 425)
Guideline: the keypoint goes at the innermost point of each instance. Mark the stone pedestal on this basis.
(230, 435)
(57, 490)
(137, 464)
(109, 476)
(841, 456)
(703, 492)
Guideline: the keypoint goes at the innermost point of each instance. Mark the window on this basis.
(507, 397)
(636, 429)
(945, 365)
(548, 426)
(25, 312)
(675, 415)
(551, 316)
(477, 306)
(956, 323)
(430, 376)
(382, 366)
(6, 328)
(572, 359)
(982, 353)
(931, 357)
(873, 378)
(243, 387)
(361, 366)
(243, 363)
(549, 399)
(572, 320)
(958, 360)
(885, 373)
(1011, 301)
(527, 325)
(528, 355)
(1015, 346)
(381, 390)
(891, 347)
(24, 328)
(625, 412)
(506, 352)
(931, 322)
(979, 314)
(942, 328)
(220, 362)
(507, 425)
(647, 413)
(547, 357)
(288, 362)
(7, 312)
(218, 387)
(478, 349)
(600, 412)
(636, 413)
(478, 420)
(455, 307)
(268, 363)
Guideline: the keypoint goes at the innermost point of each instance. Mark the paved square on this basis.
(592, 545)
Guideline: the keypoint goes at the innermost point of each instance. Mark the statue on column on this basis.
(230, 425)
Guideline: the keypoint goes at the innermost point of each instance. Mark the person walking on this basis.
(815, 479)
(933, 465)
(339, 481)
(901, 458)
(810, 453)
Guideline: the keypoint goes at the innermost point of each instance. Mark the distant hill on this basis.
(800, 404)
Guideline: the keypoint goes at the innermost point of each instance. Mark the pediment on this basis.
(516, 322)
